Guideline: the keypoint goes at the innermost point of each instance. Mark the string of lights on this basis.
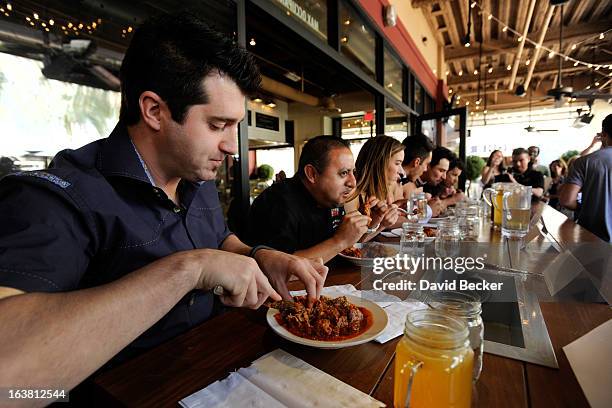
(64, 24)
(551, 52)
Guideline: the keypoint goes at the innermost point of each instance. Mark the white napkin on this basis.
(279, 379)
(395, 308)
(234, 391)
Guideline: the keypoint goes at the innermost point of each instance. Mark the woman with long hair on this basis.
(557, 171)
(494, 167)
(377, 169)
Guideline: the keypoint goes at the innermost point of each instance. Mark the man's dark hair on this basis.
(456, 163)
(416, 146)
(518, 151)
(606, 125)
(440, 153)
(316, 152)
(171, 55)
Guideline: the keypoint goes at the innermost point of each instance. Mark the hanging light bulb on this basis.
(601, 36)
(9, 7)
(490, 70)
(475, 72)
(252, 42)
(508, 67)
(596, 83)
(576, 63)
(505, 29)
(528, 62)
(573, 47)
(520, 38)
(551, 54)
(460, 72)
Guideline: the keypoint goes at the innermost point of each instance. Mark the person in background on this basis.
(377, 168)
(521, 173)
(591, 175)
(447, 190)
(494, 167)
(534, 153)
(558, 172)
(121, 245)
(434, 175)
(417, 155)
(304, 214)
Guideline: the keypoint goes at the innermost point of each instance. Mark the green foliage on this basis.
(265, 172)
(569, 154)
(473, 167)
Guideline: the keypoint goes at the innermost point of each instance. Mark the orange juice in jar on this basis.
(433, 362)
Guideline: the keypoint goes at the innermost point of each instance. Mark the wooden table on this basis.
(209, 352)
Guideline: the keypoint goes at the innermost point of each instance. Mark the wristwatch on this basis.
(219, 290)
(256, 248)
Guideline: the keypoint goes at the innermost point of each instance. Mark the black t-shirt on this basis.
(286, 217)
(532, 178)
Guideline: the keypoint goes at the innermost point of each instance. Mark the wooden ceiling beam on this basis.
(426, 3)
(537, 51)
(486, 23)
(521, 45)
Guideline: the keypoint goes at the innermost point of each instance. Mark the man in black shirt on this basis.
(523, 174)
(304, 214)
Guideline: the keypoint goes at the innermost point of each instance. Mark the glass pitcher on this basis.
(516, 211)
(433, 362)
(493, 197)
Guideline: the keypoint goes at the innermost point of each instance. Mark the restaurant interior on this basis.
(531, 328)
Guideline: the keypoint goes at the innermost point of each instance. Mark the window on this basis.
(393, 74)
(357, 40)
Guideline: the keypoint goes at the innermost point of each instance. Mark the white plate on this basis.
(379, 317)
(367, 261)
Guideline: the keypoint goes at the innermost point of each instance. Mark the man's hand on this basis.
(353, 226)
(437, 207)
(243, 282)
(279, 267)
(390, 217)
(512, 179)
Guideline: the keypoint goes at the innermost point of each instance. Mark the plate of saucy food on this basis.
(330, 323)
(363, 254)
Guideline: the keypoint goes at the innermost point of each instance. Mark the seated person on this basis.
(377, 169)
(304, 214)
(591, 176)
(557, 170)
(534, 154)
(522, 173)
(447, 190)
(417, 155)
(121, 244)
(494, 167)
(434, 175)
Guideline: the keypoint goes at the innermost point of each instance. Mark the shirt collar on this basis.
(118, 157)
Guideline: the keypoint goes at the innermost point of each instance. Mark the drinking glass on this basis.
(448, 238)
(433, 362)
(516, 212)
(412, 241)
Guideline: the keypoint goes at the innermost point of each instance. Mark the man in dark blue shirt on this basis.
(122, 242)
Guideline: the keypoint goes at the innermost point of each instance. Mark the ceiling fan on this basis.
(533, 129)
(562, 94)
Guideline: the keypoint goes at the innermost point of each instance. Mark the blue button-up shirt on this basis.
(93, 217)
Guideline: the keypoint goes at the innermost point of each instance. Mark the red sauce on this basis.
(368, 320)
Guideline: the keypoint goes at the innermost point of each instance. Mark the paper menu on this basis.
(590, 357)
(279, 379)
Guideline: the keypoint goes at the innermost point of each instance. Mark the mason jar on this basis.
(412, 241)
(466, 306)
(469, 221)
(433, 362)
(448, 238)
